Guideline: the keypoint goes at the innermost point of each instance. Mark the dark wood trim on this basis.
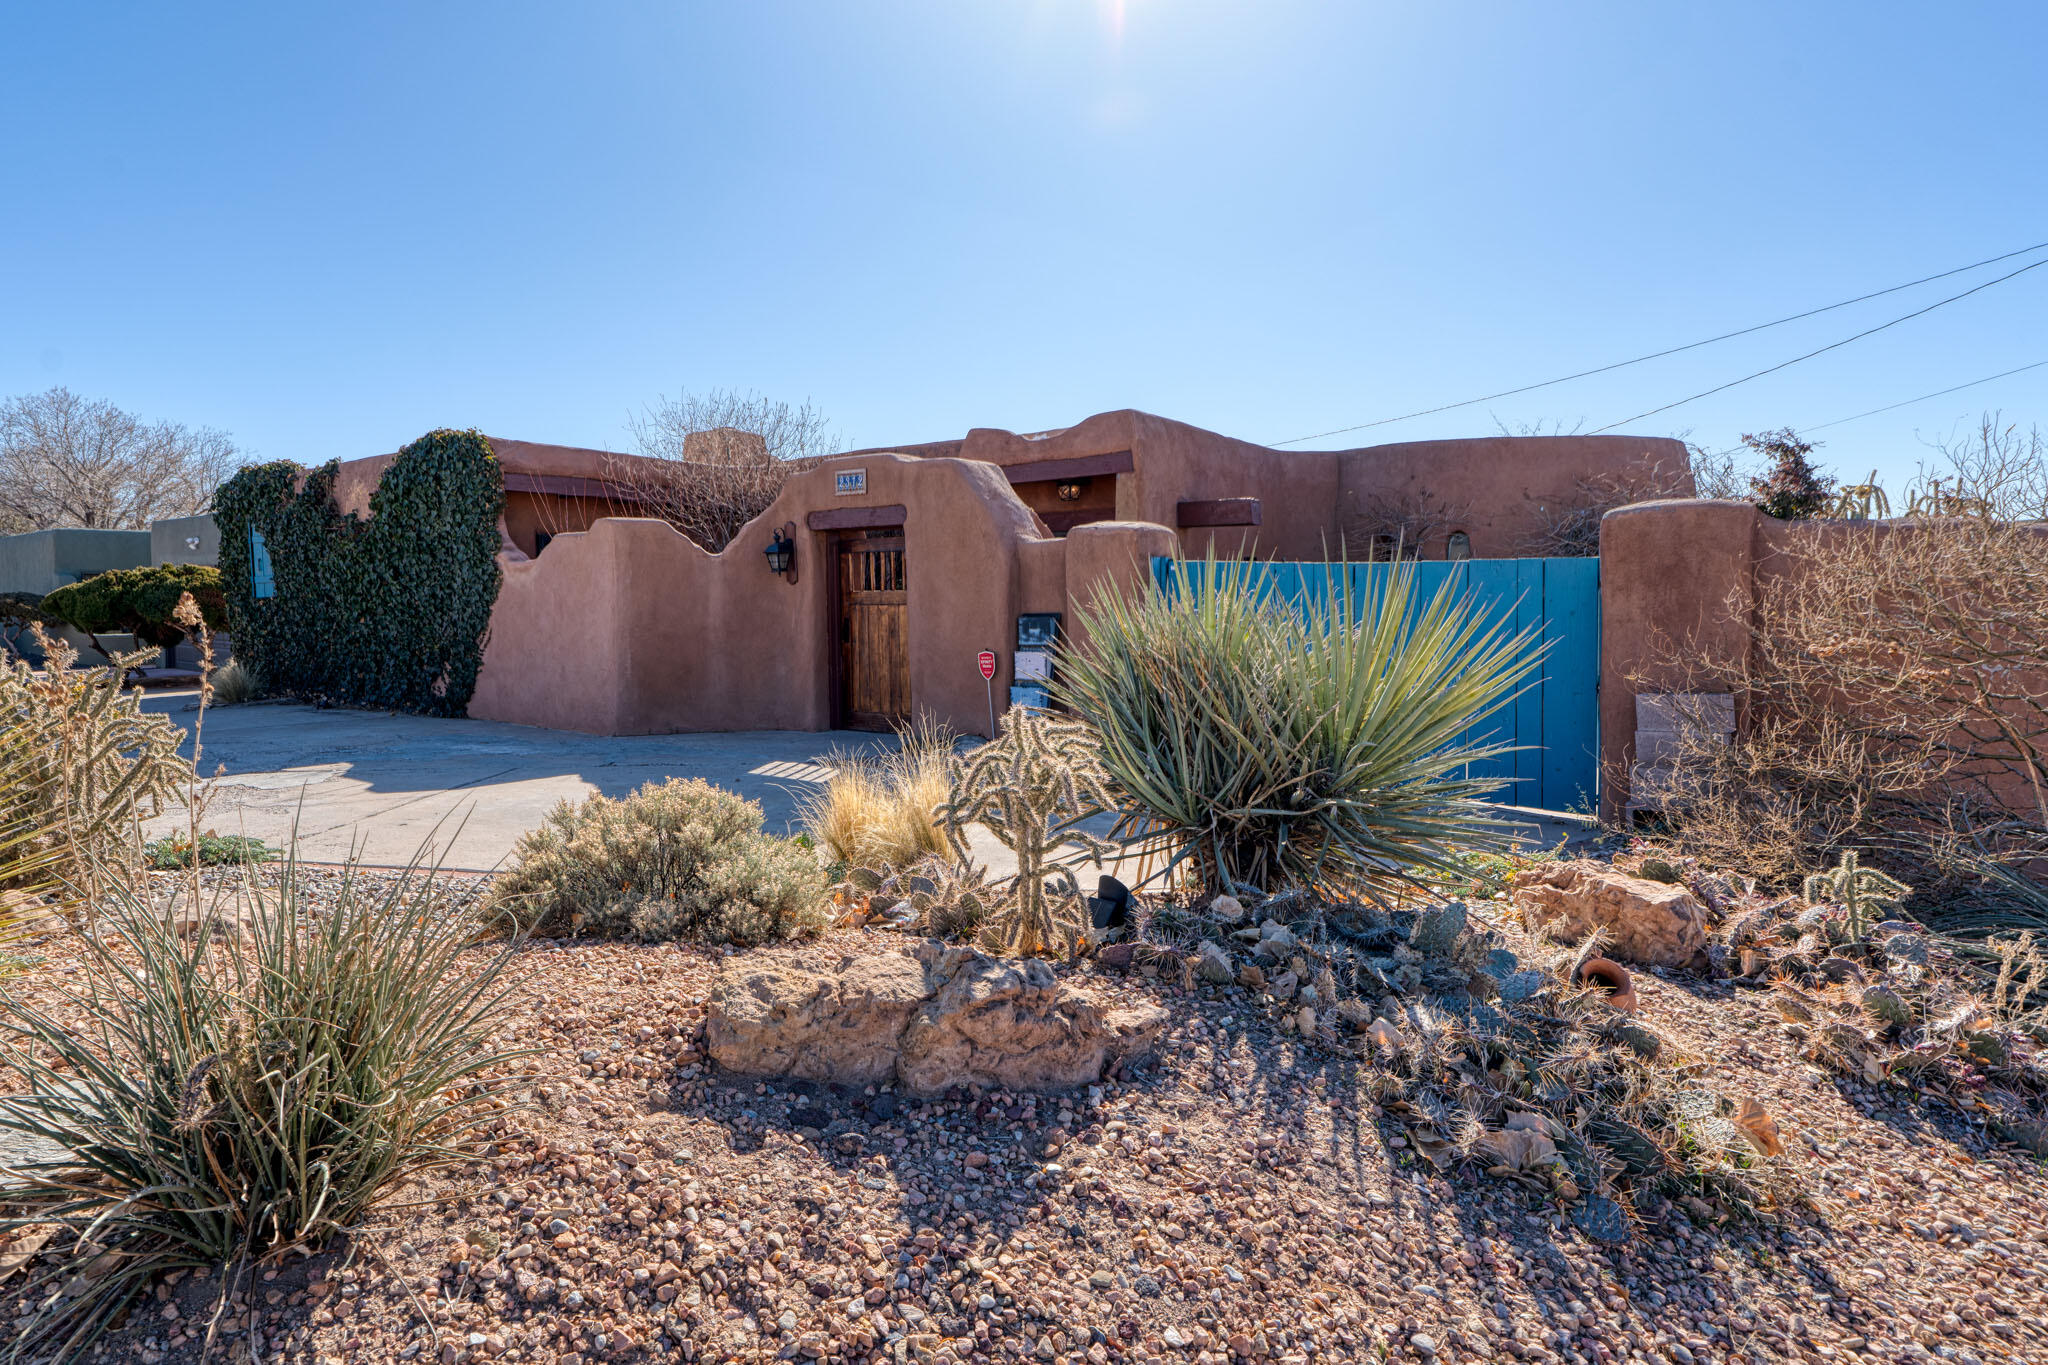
(854, 518)
(1059, 523)
(1218, 512)
(567, 486)
(1073, 467)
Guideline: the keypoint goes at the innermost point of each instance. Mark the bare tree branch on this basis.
(72, 461)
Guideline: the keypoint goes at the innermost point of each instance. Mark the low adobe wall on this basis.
(631, 628)
(1683, 577)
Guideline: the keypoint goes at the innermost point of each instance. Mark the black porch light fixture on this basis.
(781, 554)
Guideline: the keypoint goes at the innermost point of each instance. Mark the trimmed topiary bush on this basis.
(675, 860)
(139, 602)
(388, 611)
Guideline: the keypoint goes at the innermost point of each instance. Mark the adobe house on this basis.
(896, 569)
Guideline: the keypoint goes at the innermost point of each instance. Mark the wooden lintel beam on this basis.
(854, 518)
(1219, 512)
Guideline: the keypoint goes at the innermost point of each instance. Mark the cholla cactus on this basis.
(1859, 890)
(1032, 788)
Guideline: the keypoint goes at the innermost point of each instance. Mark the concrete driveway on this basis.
(382, 787)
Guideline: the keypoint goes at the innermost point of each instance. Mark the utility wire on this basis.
(1659, 355)
(1938, 393)
(1831, 346)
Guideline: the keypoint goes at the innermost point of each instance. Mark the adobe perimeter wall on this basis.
(1681, 579)
(631, 628)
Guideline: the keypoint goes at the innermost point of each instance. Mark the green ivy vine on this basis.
(389, 612)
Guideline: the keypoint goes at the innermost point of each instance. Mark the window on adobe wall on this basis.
(1459, 546)
(540, 542)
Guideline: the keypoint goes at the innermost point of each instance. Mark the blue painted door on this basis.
(1555, 722)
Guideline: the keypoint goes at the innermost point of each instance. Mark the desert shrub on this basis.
(214, 850)
(680, 859)
(877, 809)
(140, 602)
(1895, 697)
(95, 763)
(1254, 743)
(222, 1104)
(235, 682)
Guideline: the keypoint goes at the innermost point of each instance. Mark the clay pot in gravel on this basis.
(1613, 978)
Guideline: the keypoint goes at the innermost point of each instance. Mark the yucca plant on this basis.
(228, 1098)
(1258, 743)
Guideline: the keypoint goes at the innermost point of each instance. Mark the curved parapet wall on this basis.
(631, 628)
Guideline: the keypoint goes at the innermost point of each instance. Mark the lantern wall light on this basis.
(781, 553)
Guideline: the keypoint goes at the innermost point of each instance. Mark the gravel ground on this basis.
(1236, 1198)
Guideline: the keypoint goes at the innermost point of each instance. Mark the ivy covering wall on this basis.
(387, 612)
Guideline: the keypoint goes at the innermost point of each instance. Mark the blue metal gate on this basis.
(1555, 722)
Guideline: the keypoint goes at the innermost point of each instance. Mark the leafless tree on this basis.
(1998, 470)
(710, 463)
(1719, 473)
(72, 461)
(1385, 524)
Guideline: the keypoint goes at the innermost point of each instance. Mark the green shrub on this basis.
(387, 611)
(95, 762)
(20, 613)
(174, 851)
(218, 1107)
(139, 602)
(675, 860)
(1258, 744)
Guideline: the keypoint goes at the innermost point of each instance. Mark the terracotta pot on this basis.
(1613, 978)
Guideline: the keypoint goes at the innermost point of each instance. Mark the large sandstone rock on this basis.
(946, 1019)
(1643, 921)
(843, 1025)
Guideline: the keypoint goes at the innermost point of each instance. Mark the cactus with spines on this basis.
(1032, 788)
(1860, 891)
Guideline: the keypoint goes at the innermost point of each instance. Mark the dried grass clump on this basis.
(680, 859)
(234, 1099)
(234, 682)
(879, 810)
(93, 763)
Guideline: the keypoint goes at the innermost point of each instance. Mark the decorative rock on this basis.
(1227, 910)
(1213, 964)
(777, 1018)
(1644, 921)
(958, 1019)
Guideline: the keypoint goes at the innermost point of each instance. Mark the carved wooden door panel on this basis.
(874, 641)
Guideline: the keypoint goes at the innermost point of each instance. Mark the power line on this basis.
(1938, 393)
(1942, 393)
(1831, 346)
(1659, 355)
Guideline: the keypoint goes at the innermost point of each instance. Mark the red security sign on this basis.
(987, 660)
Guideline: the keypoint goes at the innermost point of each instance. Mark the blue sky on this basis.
(327, 229)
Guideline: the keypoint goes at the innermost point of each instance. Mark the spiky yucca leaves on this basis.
(1323, 744)
(1864, 892)
(1033, 787)
(225, 1102)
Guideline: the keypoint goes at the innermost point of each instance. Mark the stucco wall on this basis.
(167, 541)
(1310, 500)
(44, 561)
(630, 628)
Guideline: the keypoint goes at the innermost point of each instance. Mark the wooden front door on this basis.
(874, 642)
